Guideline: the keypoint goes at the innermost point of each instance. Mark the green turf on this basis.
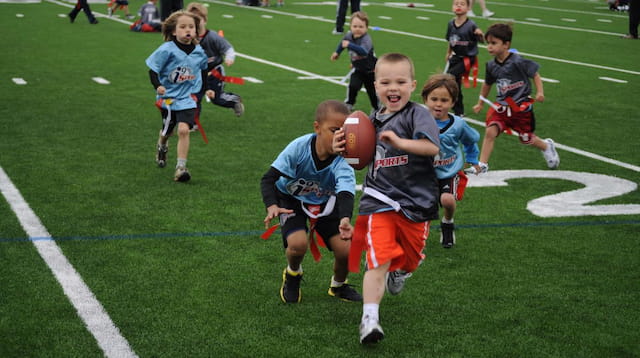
(180, 268)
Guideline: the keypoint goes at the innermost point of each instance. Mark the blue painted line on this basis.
(258, 233)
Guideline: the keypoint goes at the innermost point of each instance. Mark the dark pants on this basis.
(342, 12)
(457, 69)
(84, 6)
(357, 79)
(222, 98)
(634, 17)
(167, 7)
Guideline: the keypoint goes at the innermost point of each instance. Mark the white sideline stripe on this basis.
(88, 307)
(331, 80)
(612, 79)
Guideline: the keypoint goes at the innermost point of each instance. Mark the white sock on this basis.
(335, 283)
(181, 163)
(299, 270)
(371, 310)
(446, 221)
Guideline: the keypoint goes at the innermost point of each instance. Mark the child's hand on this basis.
(539, 97)
(339, 142)
(228, 62)
(480, 35)
(161, 90)
(210, 94)
(273, 212)
(477, 108)
(389, 137)
(345, 43)
(346, 230)
(334, 56)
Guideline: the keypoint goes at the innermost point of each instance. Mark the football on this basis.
(361, 140)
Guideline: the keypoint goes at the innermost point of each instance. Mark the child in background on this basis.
(439, 95)
(400, 191)
(514, 107)
(462, 35)
(82, 5)
(176, 70)
(218, 50)
(363, 59)
(150, 17)
(309, 182)
(115, 4)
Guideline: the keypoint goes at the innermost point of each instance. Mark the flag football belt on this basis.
(235, 80)
(470, 68)
(166, 121)
(313, 212)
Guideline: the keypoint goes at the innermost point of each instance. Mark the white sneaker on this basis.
(487, 13)
(336, 32)
(370, 331)
(470, 13)
(484, 167)
(551, 155)
(395, 280)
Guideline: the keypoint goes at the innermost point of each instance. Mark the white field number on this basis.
(570, 203)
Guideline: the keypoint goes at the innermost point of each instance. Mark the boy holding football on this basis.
(514, 107)
(309, 183)
(400, 191)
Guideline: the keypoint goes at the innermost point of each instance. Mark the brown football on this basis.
(361, 140)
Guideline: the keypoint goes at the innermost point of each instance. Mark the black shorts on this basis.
(325, 226)
(187, 116)
(455, 185)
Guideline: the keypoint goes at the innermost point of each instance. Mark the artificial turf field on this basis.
(547, 263)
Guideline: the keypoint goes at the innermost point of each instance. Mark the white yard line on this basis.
(98, 322)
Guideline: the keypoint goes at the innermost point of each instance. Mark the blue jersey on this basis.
(179, 72)
(304, 181)
(455, 133)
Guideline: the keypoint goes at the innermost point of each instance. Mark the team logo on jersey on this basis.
(181, 74)
(382, 161)
(454, 40)
(303, 187)
(443, 162)
(504, 85)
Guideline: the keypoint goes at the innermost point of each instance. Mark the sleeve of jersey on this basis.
(286, 161)
(345, 177)
(425, 126)
(157, 59)
(530, 67)
(488, 77)
(469, 139)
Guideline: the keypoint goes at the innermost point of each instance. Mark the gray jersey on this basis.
(511, 77)
(149, 14)
(462, 40)
(407, 179)
(217, 48)
(361, 53)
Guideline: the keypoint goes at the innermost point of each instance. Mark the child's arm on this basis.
(537, 81)
(270, 196)
(345, 210)
(484, 92)
(421, 146)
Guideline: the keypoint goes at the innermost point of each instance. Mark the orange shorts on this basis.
(390, 236)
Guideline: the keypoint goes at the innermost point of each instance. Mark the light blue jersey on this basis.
(304, 181)
(180, 73)
(455, 134)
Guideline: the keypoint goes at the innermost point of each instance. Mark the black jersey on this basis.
(462, 39)
(511, 77)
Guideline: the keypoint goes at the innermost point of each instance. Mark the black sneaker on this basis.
(290, 290)
(346, 292)
(182, 175)
(71, 18)
(161, 155)
(447, 236)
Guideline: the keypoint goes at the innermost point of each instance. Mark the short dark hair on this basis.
(330, 106)
(500, 31)
(441, 80)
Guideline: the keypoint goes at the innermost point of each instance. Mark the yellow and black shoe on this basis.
(290, 289)
(346, 292)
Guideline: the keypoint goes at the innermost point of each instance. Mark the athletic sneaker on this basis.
(336, 32)
(182, 174)
(395, 281)
(470, 13)
(238, 108)
(484, 167)
(551, 155)
(130, 17)
(290, 289)
(487, 13)
(346, 292)
(370, 331)
(161, 155)
(447, 235)
(109, 12)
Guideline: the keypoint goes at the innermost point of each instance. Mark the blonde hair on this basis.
(198, 9)
(394, 57)
(361, 15)
(169, 25)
